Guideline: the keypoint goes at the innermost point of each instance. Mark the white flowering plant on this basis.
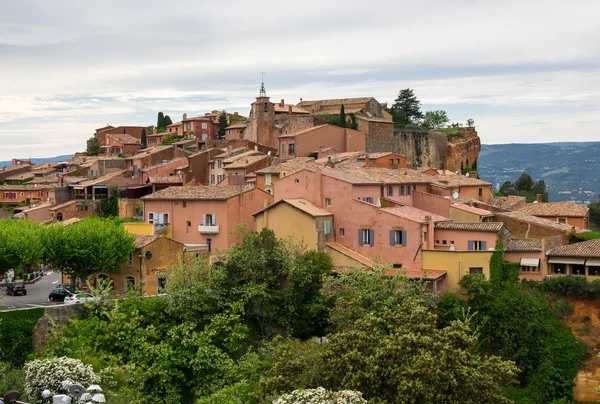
(321, 396)
(51, 373)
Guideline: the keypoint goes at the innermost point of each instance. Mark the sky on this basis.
(526, 71)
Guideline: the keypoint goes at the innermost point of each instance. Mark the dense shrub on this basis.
(571, 286)
(450, 308)
(16, 335)
(561, 308)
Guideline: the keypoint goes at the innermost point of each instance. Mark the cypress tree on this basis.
(160, 122)
(168, 121)
(343, 117)
(143, 142)
(222, 125)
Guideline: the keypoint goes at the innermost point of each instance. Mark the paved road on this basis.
(37, 294)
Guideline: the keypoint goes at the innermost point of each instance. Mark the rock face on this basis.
(437, 149)
(422, 148)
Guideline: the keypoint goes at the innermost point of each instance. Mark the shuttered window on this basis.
(398, 237)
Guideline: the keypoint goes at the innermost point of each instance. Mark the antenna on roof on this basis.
(467, 174)
(455, 195)
(263, 92)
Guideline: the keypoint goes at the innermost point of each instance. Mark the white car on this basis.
(78, 298)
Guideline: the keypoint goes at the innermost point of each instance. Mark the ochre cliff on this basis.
(438, 149)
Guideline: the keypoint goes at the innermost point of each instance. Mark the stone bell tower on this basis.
(261, 125)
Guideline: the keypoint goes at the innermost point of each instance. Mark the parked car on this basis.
(78, 298)
(59, 295)
(66, 286)
(16, 289)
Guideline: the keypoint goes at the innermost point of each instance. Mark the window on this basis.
(390, 190)
(209, 244)
(594, 271)
(161, 283)
(326, 227)
(269, 191)
(366, 237)
(398, 237)
(401, 190)
(480, 191)
(529, 269)
(292, 148)
(22, 193)
(343, 233)
(398, 162)
(391, 162)
(283, 174)
(283, 148)
(562, 220)
(151, 218)
(476, 245)
(220, 164)
(129, 283)
(209, 220)
(327, 201)
(165, 218)
(437, 241)
(577, 269)
(212, 179)
(444, 242)
(185, 204)
(368, 199)
(189, 224)
(476, 271)
(559, 268)
(408, 190)
(204, 125)
(267, 179)
(297, 181)
(130, 262)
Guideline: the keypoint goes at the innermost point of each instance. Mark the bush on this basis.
(570, 286)
(11, 378)
(450, 308)
(16, 335)
(561, 309)
(321, 396)
(50, 373)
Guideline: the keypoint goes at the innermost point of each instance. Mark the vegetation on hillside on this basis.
(524, 186)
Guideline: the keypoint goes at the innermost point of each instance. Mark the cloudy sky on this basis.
(525, 71)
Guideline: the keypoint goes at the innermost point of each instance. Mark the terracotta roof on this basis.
(336, 101)
(143, 240)
(230, 157)
(589, 249)
(303, 205)
(286, 108)
(193, 183)
(471, 209)
(340, 157)
(245, 161)
(63, 205)
(551, 209)
(307, 130)
(289, 166)
(199, 193)
(492, 227)
(178, 159)
(167, 179)
(21, 176)
(523, 245)
(511, 202)
(237, 125)
(413, 214)
(100, 180)
(524, 217)
(374, 119)
(123, 138)
(358, 257)
(25, 187)
(175, 124)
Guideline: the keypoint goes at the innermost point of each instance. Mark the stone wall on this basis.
(60, 315)
(379, 136)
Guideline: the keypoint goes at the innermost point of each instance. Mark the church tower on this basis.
(261, 125)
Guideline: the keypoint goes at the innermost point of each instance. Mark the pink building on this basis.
(312, 140)
(467, 236)
(205, 215)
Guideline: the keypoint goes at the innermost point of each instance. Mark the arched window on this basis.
(269, 191)
(266, 107)
(59, 216)
(129, 283)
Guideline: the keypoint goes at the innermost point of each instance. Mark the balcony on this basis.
(213, 229)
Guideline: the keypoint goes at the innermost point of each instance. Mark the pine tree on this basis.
(160, 122)
(168, 121)
(222, 125)
(408, 106)
(144, 140)
(343, 123)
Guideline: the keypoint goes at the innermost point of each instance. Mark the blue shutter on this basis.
(360, 240)
(372, 234)
(483, 246)
(392, 237)
(470, 243)
(404, 238)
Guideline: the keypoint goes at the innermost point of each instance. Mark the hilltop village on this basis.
(359, 190)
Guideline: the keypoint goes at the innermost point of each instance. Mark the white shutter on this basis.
(204, 220)
(214, 220)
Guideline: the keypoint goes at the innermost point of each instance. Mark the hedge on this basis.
(16, 335)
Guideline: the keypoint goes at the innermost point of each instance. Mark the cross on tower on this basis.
(263, 92)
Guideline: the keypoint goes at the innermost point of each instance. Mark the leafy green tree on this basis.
(160, 121)
(435, 119)
(168, 121)
(144, 139)
(222, 125)
(409, 105)
(110, 206)
(91, 246)
(524, 182)
(169, 140)
(21, 246)
(594, 208)
(343, 122)
(93, 147)
(385, 343)
(539, 188)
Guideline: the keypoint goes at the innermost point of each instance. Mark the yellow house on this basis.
(456, 264)
(313, 226)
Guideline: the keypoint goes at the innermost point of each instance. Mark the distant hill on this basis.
(571, 170)
(41, 160)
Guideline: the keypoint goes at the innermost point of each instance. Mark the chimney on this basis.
(538, 198)
(290, 110)
(367, 161)
(318, 188)
(282, 103)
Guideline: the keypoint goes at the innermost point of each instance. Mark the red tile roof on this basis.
(491, 227)
(413, 214)
(551, 209)
(123, 138)
(199, 193)
(523, 245)
(301, 204)
(584, 249)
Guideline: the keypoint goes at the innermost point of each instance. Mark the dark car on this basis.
(18, 289)
(59, 295)
(66, 286)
